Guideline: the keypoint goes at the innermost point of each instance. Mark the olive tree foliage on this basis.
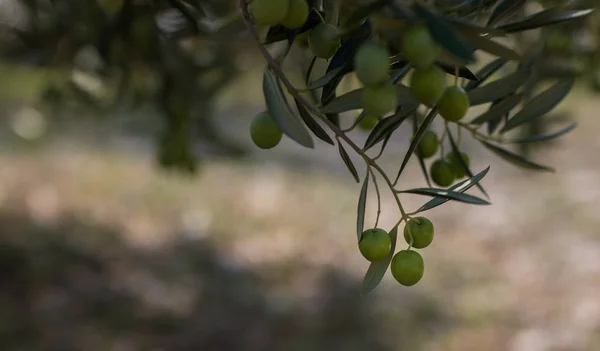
(494, 51)
(169, 53)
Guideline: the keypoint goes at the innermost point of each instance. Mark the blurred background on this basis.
(135, 214)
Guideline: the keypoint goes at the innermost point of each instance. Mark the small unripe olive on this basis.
(323, 40)
(375, 244)
(454, 104)
(371, 63)
(264, 131)
(268, 12)
(428, 145)
(457, 168)
(297, 14)
(427, 84)
(441, 173)
(418, 47)
(378, 100)
(368, 122)
(421, 230)
(407, 267)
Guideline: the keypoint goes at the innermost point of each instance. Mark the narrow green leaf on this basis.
(463, 72)
(362, 205)
(497, 110)
(278, 106)
(446, 35)
(387, 126)
(311, 66)
(348, 162)
(458, 187)
(377, 269)
(540, 105)
(447, 194)
(491, 47)
(486, 72)
(542, 137)
(401, 73)
(365, 10)
(505, 9)
(416, 140)
(515, 159)
(544, 18)
(419, 157)
(328, 77)
(347, 102)
(498, 89)
(310, 122)
(462, 162)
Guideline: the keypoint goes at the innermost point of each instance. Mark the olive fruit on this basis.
(407, 267)
(297, 14)
(427, 84)
(418, 47)
(323, 40)
(457, 168)
(375, 244)
(368, 122)
(454, 104)
(421, 231)
(371, 63)
(264, 131)
(428, 145)
(441, 173)
(378, 100)
(269, 12)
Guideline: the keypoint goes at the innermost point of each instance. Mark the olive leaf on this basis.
(486, 72)
(505, 9)
(540, 105)
(420, 158)
(348, 162)
(387, 126)
(499, 109)
(310, 122)
(446, 194)
(500, 88)
(515, 159)
(362, 204)
(542, 137)
(280, 110)
(416, 140)
(377, 269)
(458, 187)
(464, 166)
(544, 18)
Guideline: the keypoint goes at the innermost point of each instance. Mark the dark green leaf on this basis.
(462, 162)
(515, 159)
(446, 35)
(447, 194)
(401, 73)
(463, 72)
(458, 187)
(362, 205)
(279, 33)
(387, 126)
(278, 106)
(416, 140)
(499, 109)
(348, 161)
(486, 72)
(364, 11)
(420, 158)
(505, 9)
(544, 18)
(490, 46)
(311, 66)
(328, 77)
(377, 269)
(540, 105)
(542, 137)
(498, 89)
(347, 102)
(310, 122)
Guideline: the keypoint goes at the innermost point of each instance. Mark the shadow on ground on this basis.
(76, 286)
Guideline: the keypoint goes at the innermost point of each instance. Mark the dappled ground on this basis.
(100, 251)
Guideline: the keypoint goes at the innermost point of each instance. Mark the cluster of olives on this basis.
(448, 168)
(407, 266)
(289, 13)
